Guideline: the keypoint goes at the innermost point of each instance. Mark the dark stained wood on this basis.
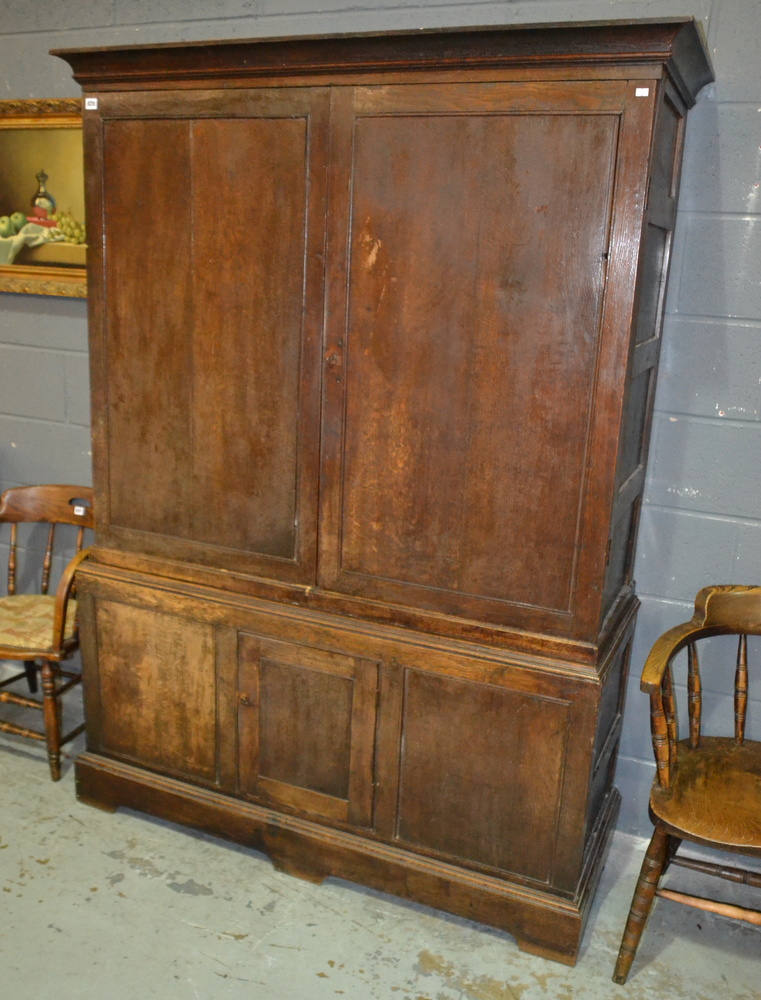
(343, 649)
(371, 413)
(610, 712)
(53, 505)
(677, 44)
(707, 786)
(248, 322)
(226, 655)
(541, 922)
(149, 392)
(639, 390)
(578, 655)
(307, 727)
(437, 465)
(443, 788)
(230, 485)
(604, 515)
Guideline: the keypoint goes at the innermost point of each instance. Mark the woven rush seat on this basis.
(26, 621)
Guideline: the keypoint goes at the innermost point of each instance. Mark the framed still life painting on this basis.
(43, 239)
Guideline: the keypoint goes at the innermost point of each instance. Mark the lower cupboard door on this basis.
(156, 688)
(306, 724)
(481, 773)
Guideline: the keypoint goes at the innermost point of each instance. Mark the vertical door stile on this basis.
(334, 355)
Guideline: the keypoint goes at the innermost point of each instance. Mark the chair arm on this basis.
(665, 648)
(62, 595)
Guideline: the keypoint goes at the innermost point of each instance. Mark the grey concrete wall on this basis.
(702, 518)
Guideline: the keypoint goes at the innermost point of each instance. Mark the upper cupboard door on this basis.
(465, 340)
(207, 412)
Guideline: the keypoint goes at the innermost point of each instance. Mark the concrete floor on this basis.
(123, 907)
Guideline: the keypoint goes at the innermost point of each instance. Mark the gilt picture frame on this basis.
(42, 221)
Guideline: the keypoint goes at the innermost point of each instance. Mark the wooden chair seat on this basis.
(27, 623)
(707, 788)
(715, 794)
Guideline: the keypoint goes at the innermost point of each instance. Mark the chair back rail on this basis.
(44, 504)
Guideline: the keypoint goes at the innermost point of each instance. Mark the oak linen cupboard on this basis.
(374, 330)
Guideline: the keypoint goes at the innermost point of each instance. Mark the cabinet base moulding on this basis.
(542, 923)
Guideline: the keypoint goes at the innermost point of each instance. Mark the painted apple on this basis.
(19, 220)
(6, 226)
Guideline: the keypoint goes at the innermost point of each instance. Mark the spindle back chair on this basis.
(707, 789)
(38, 629)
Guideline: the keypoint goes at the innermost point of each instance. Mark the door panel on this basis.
(468, 330)
(498, 802)
(307, 728)
(212, 342)
(157, 690)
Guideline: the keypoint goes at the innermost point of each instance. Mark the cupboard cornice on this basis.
(674, 44)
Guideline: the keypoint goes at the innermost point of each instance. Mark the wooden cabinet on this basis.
(374, 331)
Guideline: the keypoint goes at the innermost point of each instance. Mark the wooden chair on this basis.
(707, 789)
(38, 629)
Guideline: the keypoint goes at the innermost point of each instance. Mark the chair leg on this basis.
(30, 669)
(51, 712)
(644, 894)
(674, 844)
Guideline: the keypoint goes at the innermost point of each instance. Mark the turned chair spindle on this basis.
(694, 694)
(741, 688)
(48, 560)
(12, 560)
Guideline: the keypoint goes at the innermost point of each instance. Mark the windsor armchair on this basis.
(707, 789)
(39, 629)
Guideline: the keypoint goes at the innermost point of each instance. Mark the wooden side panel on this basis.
(609, 712)
(482, 771)
(307, 728)
(156, 679)
(469, 339)
(639, 390)
(212, 330)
